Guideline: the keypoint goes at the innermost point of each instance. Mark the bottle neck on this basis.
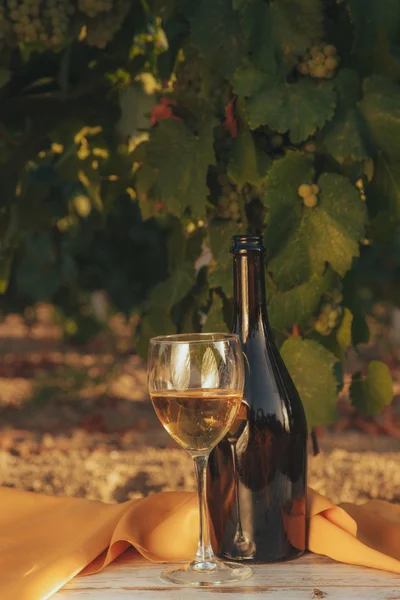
(250, 311)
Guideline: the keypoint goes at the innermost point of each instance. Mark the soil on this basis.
(78, 422)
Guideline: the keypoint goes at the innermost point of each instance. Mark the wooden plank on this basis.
(134, 577)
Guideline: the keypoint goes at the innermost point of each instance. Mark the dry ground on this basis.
(79, 423)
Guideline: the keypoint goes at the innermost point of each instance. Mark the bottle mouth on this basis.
(241, 244)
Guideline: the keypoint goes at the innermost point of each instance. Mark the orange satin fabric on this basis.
(45, 541)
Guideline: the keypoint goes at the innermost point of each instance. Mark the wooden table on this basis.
(133, 577)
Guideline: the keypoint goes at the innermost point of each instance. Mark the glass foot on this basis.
(202, 574)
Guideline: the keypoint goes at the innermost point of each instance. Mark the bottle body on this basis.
(257, 473)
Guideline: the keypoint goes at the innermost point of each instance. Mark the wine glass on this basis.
(196, 386)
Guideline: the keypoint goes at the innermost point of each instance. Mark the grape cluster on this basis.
(330, 315)
(309, 194)
(92, 8)
(228, 206)
(101, 29)
(320, 62)
(45, 21)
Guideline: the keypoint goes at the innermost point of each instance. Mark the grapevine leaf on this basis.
(215, 317)
(221, 233)
(260, 32)
(243, 165)
(330, 232)
(342, 137)
(298, 23)
(372, 394)
(281, 30)
(300, 303)
(298, 108)
(282, 199)
(312, 369)
(216, 32)
(381, 109)
(156, 322)
(247, 79)
(370, 18)
(343, 334)
(348, 86)
(385, 187)
(182, 160)
(5, 76)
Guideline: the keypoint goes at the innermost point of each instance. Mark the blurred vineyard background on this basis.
(136, 137)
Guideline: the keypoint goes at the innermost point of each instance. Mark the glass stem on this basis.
(204, 550)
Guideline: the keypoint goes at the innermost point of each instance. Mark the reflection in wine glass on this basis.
(243, 546)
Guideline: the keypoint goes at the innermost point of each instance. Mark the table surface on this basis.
(133, 577)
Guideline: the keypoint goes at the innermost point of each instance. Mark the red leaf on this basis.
(163, 110)
(230, 123)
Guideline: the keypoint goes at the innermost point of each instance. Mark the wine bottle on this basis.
(257, 473)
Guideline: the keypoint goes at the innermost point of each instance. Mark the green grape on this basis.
(305, 190)
(318, 71)
(303, 68)
(310, 201)
(331, 63)
(315, 189)
(329, 50)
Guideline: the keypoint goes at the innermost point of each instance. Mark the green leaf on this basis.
(215, 316)
(298, 24)
(370, 18)
(182, 252)
(135, 107)
(182, 160)
(342, 137)
(385, 187)
(5, 76)
(243, 165)
(247, 79)
(372, 394)
(300, 303)
(343, 334)
(260, 32)
(348, 86)
(221, 274)
(298, 108)
(381, 109)
(281, 197)
(312, 369)
(156, 322)
(216, 33)
(281, 30)
(330, 232)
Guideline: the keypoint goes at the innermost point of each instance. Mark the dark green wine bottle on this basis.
(257, 475)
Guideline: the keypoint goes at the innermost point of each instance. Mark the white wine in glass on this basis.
(196, 385)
